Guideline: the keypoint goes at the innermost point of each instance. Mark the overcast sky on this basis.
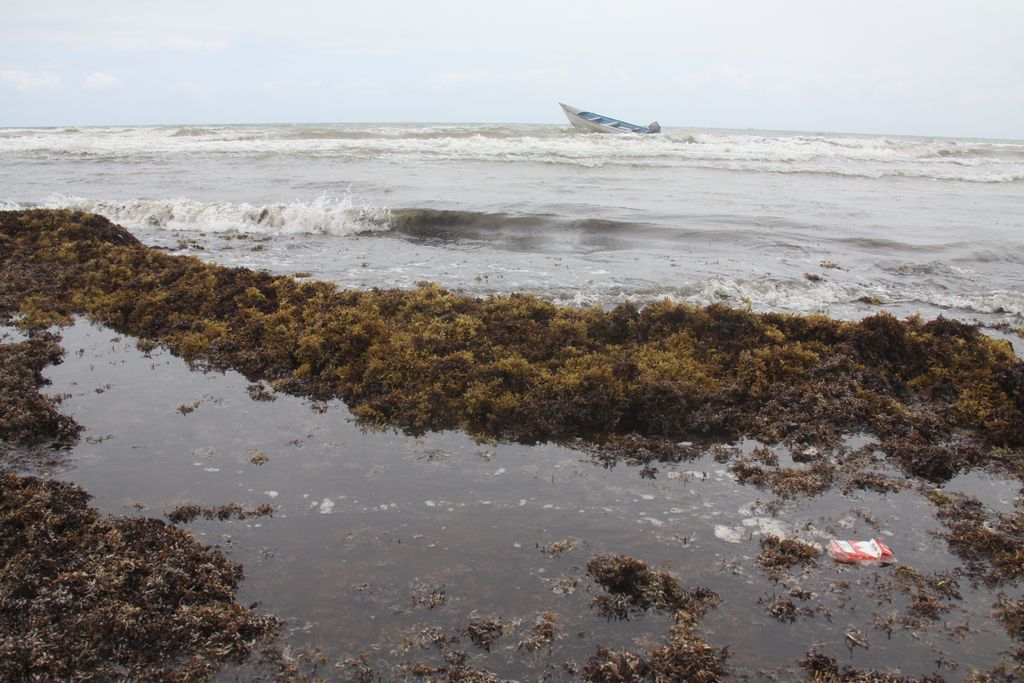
(895, 66)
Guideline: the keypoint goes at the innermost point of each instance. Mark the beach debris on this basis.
(854, 638)
(871, 551)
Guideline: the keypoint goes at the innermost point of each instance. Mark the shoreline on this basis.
(428, 360)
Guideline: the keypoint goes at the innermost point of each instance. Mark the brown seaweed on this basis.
(183, 514)
(991, 544)
(824, 669)
(938, 395)
(84, 596)
(28, 418)
(634, 587)
(779, 554)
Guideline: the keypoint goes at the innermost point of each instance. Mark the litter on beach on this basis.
(861, 552)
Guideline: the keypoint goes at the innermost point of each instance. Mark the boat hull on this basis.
(586, 120)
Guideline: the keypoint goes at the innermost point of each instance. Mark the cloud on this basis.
(100, 81)
(24, 80)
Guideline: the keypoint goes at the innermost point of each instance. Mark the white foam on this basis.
(729, 534)
(996, 302)
(324, 215)
(983, 161)
(768, 526)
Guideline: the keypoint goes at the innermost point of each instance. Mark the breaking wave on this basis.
(325, 215)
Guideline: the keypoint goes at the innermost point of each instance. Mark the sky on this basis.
(936, 67)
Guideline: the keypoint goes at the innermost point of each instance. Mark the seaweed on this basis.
(939, 395)
(542, 633)
(824, 669)
(991, 544)
(84, 596)
(483, 632)
(28, 419)
(634, 587)
(184, 514)
(1011, 613)
(930, 592)
(779, 554)
(684, 656)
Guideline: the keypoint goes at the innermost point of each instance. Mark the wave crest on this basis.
(325, 215)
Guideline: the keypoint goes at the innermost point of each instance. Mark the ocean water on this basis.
(809, 222)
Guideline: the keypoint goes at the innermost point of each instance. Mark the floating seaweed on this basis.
(634, 587)
(483, 632)
(779, 554)
(991, 544)
(183, 514)
(684, 656)
(825, 669)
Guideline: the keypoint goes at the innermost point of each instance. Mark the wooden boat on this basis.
(588, 120)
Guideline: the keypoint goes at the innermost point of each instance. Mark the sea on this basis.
(808, 222)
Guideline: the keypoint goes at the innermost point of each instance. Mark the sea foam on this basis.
(324, 215)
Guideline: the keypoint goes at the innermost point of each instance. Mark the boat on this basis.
(588, 120)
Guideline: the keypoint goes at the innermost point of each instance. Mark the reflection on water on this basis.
(377, 536)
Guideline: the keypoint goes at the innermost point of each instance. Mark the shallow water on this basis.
(376, 536)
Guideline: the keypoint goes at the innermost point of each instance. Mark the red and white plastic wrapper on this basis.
(861, 552)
